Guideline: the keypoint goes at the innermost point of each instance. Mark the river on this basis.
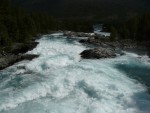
(59, 81)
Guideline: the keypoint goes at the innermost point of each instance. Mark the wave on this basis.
(59, 81)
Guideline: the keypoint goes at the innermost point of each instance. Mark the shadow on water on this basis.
(136, 71)
(90, 91)
(140, 72)
(142, 101)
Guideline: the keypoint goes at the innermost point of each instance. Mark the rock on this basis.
(10, 59)
(104, 42)
(97, 53)
(68, 33)
(97, 42)
(91, 40)
(21, 67)
(12, 54)
(29, 56)
(77, 34)
(83, 41)
(22, 48)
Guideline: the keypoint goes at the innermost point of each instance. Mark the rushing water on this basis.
(59, 81)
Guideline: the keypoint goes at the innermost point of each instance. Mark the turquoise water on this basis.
(137, 70)
(59, 81)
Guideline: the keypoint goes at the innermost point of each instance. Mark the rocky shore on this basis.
(70, 34)
(127, 44)
(15, 53)
(104, 46)
(97, 40)
(123, 44)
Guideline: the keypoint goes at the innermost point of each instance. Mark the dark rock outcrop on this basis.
(28, 56)
(15, 53)
(104, 42)
(22, 48)
(91, 41)
(123, 44)
(97, 53)
(77, 34)
(8, 60)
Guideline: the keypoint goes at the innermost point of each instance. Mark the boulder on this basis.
(95, 41)
(29, 56)
(10, 59)
(22, 48)
(83, 41)
(97, 53)
(12, 54)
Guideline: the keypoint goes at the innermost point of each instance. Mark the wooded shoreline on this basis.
(17, 51)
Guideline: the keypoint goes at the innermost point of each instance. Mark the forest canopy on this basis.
(17, 25)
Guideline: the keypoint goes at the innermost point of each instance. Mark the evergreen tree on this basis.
(4, 40)
(114, 34)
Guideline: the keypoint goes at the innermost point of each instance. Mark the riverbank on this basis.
(59, 78)
(104, 42)
(15, 53)
(103, 48)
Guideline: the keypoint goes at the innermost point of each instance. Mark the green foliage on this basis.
(4, 40)
(103, 10)
(16, 25)
(114, 34)
(137, 28)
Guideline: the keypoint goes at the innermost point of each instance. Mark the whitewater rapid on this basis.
(59, 81)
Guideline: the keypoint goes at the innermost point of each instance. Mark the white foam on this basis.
(131, 54)
(145, 59)
(57, 34)
(63, 83)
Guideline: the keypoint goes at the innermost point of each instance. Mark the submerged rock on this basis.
(97, 53)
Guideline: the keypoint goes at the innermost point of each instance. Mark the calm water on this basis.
(59, 81)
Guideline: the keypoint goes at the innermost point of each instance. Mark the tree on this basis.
(114, 34)
(4, 40)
